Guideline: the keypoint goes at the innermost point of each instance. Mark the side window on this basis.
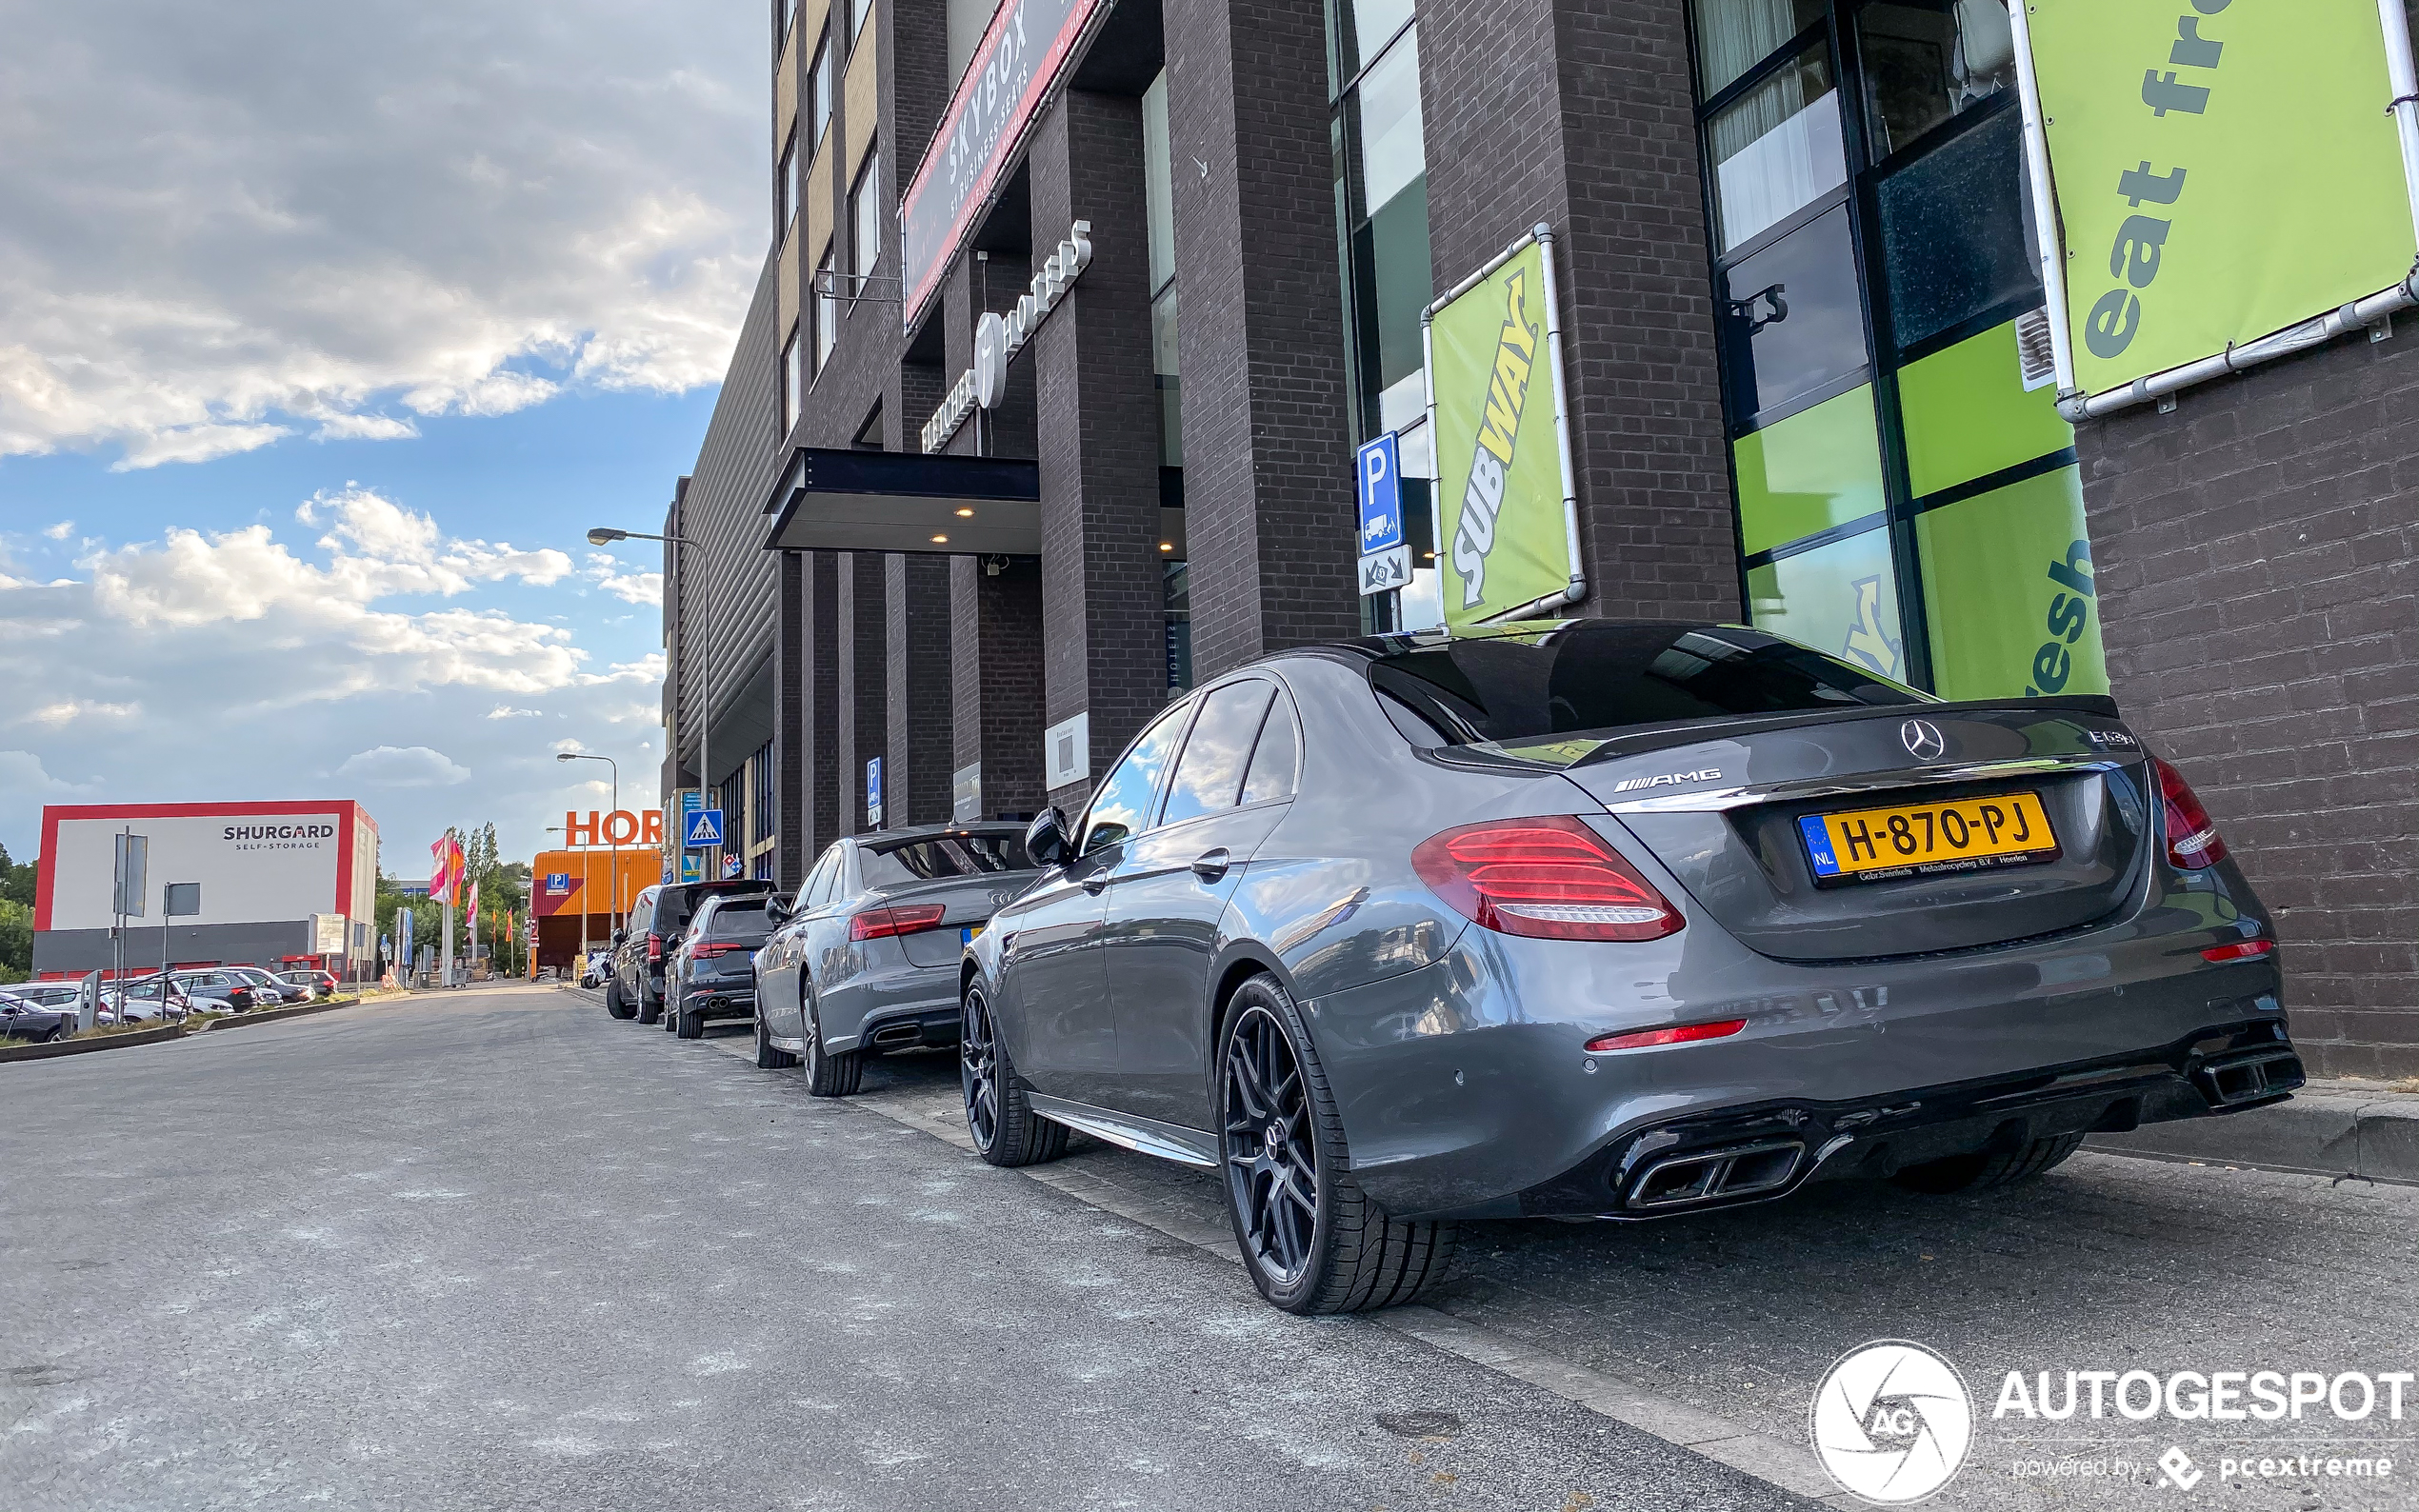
(1210, 773)
(1122, 806)
(1272, 774)
(826, 880)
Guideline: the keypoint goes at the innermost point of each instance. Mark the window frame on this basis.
(819, 91)
(864, 195)
(826, 311)
(1201, 698)
(1301, 750)
(786, 186)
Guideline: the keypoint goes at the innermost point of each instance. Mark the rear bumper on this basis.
(720, 1000)
(1466, 1087)
(1759, 1153)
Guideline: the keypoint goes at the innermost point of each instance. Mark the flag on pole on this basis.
(445, 870)
(474, 908)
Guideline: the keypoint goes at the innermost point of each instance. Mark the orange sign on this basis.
(575, 882)
(620, 827)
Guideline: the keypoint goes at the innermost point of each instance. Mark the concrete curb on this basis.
(2329, 1128)
(110, 1041)
(271, 1015)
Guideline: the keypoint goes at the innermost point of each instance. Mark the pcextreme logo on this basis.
(1891, 1422)
(1498, 433)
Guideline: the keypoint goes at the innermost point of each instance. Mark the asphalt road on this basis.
(495, 1250)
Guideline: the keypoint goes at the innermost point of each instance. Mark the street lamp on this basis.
(608, 535)
(613, 850)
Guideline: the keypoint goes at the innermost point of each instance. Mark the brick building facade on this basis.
(1163, 489)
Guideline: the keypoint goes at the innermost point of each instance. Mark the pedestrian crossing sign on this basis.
(704, 829)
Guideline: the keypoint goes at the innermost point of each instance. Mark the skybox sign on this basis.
(1013, 68)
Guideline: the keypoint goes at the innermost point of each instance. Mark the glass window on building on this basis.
(1159, 196)
(819, 87)
(860, 11)
(827, 308)
(760, 791)
(865, 217)
(1381, 197)
(1906, 493)
(786, 188)
(793, 380)
(1176, 591)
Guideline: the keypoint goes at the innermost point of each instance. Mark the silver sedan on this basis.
(865, 957)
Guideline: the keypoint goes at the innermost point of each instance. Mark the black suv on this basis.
(645, 944)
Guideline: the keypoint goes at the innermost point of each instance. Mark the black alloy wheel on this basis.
(999, 1115)
(1272, 1164)
(1311, 1239)
(830, 1075)
(769, 1057)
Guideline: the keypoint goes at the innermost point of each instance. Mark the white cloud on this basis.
(61, 530)
(230, 225)
(364, 427)
(157, 670)
(403, 767)
(22, 777)
(630, 588)
(69, 710)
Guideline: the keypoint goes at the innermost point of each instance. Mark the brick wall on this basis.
(996, 626)
(1103, 604)
(916, 774)
(1580, 115)
(1269, 513)
(2255, 553)
(819, 808)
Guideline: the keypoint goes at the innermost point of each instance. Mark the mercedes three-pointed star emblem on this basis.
(1922, 738)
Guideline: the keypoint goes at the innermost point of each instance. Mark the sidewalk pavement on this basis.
(2328, 1129)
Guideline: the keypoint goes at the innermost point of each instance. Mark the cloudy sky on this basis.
(326, 332)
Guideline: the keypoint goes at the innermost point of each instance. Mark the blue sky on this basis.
(326, 333)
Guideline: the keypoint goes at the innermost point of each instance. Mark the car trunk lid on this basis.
(966, 901)
(1721, 805)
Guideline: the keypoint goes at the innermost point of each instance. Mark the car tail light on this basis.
(2192, 840)
(709, 951)
(1550, 878)
(2239, 950)
(1685, 1034)
(880, 924)
(654, 947)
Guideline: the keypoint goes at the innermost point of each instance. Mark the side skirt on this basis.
(1168, 1141)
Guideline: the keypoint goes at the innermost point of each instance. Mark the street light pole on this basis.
(612, 846)
(607, 535)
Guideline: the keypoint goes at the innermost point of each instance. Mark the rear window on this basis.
(738, 921)
(1592, 678)
(976, 854)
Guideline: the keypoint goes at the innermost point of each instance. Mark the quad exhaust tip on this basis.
(2252, 1078)
(1710, 1176)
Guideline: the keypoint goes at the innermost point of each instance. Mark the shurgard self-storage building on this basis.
(2007, 350)
(267, 883)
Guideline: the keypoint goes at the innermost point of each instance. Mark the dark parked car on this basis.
(641, 948)
(213, 989)
(1614, 919)
(270, 989)
(22, 1019)
(318, 983)
(865, 958)
(712, 974)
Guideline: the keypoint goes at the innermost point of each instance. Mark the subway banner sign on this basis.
(1013, 68)
(2223, 170)
(1502, 540)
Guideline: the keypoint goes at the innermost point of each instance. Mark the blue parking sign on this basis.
(703, 830)
(1381, 484)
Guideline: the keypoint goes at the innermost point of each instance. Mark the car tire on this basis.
(771, 1056)
(613, 1003)
(1984, 1170)
(999, 1115)
(689, 1025)
(649, 1012)
(830, 1075)
(1330, 1250)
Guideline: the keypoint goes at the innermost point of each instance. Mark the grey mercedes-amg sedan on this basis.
(1608, 918)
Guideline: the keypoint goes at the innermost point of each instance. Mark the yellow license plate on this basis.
(1972, 834)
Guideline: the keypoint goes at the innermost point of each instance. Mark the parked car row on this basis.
(169, 998)
(1600, 920)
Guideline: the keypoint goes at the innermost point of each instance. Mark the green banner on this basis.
(2014, 596)
(2224, 169)
(1498, 470)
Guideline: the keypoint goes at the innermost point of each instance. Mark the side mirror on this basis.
(1046, 838)
(777, 909)
(620, 935)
